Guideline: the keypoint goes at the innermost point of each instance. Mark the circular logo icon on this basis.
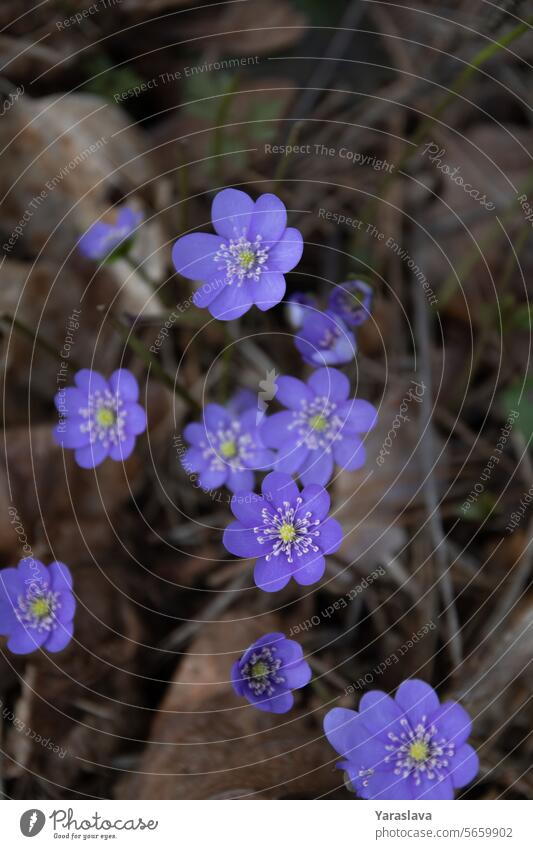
(32, 822)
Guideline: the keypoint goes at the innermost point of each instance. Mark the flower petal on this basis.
(464, 766)
(349, 453)
(70, 401)
(208, 291)
(331, 536)
(330, 383)
(318, 468)
(453, 722)
(90, 381)
(124, 384)
(308, 568)
(135, 422)
(272, 575)
(316, 499)
(292, 457)
(432, 788)
(231, 213)
(292, 392)
(269, 219)
(68, 434)
(278, 488)
(241, 541)
(385, 785)
(281, 703)
(34, 575)
(297, 675)
(60, 637)
(25, 640)
(268, 291)
(60, 576)
(232, 302)
(122, 450)
(418, 700)
(287, 252)
(274, 429)
(212, 478)
(91, 455)
(195, 433)
(246, 507)
(216, 417)
(239, 481)
(358, 415)
(194, 255)
(380, 714)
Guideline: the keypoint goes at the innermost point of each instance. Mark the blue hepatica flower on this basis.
(324, 340)
(36, 606)
(225, 448)
(410, 747)
(245, 262)
(268, 671)
(296, 308)
(100, 418)
(109, 241)
(352, 302)
(288, 531)
(320, 426)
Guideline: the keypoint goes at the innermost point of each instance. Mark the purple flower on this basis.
(321, 425)
(296, 308)
(351, 301)
(226, 447)
(324, 339)
(36, 606)
(268, 671)
(245, 262)
(287, 531)
(410, 747)
(110, 241)
(99, 418)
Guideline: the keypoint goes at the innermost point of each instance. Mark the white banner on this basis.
(256, 824)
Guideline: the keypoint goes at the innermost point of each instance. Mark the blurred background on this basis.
(399, 136)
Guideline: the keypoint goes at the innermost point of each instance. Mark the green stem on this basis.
(138, 346)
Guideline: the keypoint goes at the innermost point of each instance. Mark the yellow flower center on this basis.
(105, 417)
(246, 259)
(287, 532)
(259, 669)
(228, 449)
(419, 751)
(318, 422)
(40, 608)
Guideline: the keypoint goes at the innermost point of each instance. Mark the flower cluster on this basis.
(410, 747)
(37, 606)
